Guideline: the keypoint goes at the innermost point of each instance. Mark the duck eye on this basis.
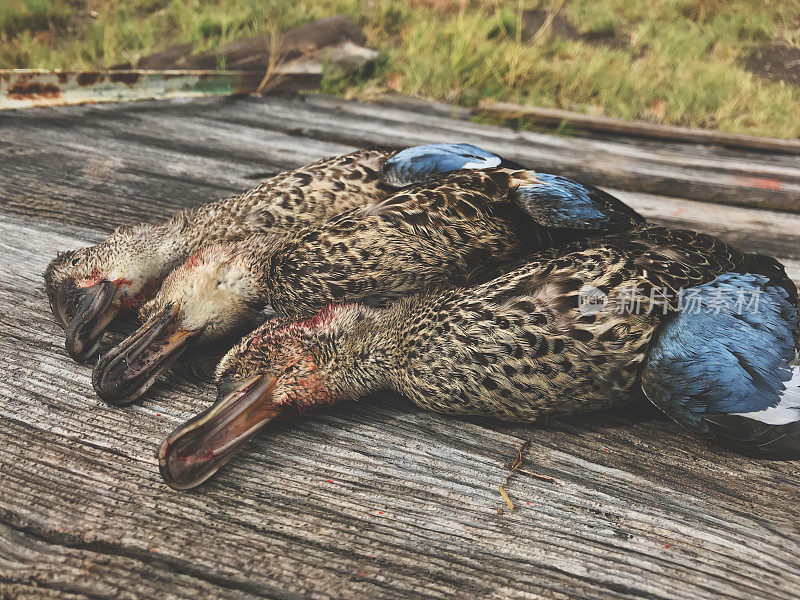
(75, 261)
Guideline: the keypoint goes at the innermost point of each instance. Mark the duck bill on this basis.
(62, 303)
(94, 310)
(127, 371)
(198, 448)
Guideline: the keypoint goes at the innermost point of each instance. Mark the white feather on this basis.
(787, 410)
(485, 163)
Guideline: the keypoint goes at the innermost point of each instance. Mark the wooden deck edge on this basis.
(583, 122)
(599, 123)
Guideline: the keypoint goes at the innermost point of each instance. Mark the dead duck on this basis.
(88, 287)
(449, 231)
(534, 342)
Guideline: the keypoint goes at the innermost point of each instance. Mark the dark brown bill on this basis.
(62, 303)
(127, 371)
(198, 448)
(94, 311)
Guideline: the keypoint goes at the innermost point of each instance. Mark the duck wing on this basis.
(722, 366)
(560, 203)
(423, 163)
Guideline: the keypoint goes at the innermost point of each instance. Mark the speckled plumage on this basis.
(522, 346)
(517, 347)
(456, 230)
(460, 229)
(137, 258)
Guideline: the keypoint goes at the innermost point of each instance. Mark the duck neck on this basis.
(147, 253)
(174, 241)
(258, 254)
(208, 224)
(356, 344)
(140, 257)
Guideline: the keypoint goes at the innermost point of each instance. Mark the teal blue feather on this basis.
(727, 352)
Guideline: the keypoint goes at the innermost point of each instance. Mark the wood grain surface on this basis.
(375, 499)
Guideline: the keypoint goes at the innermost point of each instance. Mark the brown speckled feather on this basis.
(459, 230)
(142, 255)
(520, 346)
(302, 197)
(517, 347)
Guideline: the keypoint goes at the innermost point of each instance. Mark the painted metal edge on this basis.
(23, 88)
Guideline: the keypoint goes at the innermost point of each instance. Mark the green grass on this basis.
(672, 61)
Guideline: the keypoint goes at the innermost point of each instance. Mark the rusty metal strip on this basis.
(22, 88)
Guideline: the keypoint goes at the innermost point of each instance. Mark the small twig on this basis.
(537, 475)
(506, 498)
(514, 467)
(274, 58)
(518, 458)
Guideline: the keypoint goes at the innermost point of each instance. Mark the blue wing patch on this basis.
(563, 203)
(421, 163)
(727, 351)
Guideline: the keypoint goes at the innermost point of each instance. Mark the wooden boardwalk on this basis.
(371, 500)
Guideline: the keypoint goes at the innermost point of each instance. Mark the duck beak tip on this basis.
(94, 311)
(172, 477)
(200, 447)
(127, 371)
(62, 302)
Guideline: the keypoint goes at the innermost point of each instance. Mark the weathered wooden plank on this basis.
(33, 567)
(98, 190)
(425, 113)
(369, 500)
(753, 230)
(175, 125)
(747, 183)
(748, 163)
(633, 133)
(177, 73)
(104, 174)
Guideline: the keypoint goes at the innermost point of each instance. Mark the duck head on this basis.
(212, 295)
(280, 370)
(88, 287)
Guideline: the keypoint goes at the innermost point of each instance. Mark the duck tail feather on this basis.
(772, 432)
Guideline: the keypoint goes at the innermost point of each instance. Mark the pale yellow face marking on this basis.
(214, 291)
